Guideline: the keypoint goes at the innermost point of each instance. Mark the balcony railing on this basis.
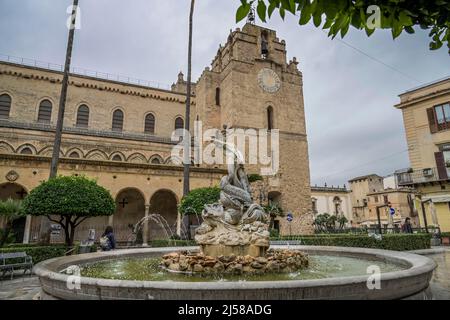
(420, 176)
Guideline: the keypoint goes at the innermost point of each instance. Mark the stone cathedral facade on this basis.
(120, 134)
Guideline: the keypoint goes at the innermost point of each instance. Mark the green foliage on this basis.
(38, 253)
(11, 209)
(172, 243)
(336, 16)
(195, 201)
(445, 234)
(274, 210)
(398, 242)
(254, 177)
(69, 196)
(327, 223)
(9, 239)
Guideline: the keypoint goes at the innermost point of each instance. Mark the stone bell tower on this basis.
(251, 85)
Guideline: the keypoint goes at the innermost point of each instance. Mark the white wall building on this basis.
(332, 200)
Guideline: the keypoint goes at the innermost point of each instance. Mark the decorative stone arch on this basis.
(5, 147)
(130, 209)
(17, 191)
(163, 202)
(116, 155)
(48, 152)
(27, 146)
(337, 205)
(137, 158)
(176, 161)
(38, 105)
(156, 159)
(70, 152)
(97, 154)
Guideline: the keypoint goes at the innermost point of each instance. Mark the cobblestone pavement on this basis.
(20, 288)
(440, 283)
(27, 288)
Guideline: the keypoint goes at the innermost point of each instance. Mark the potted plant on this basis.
(445, 238)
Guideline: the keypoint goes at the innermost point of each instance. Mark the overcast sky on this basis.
(352, 126)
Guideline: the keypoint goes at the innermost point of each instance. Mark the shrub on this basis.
(195, 201)
(172, 243)
(398, 242)
(445, 234)
(73, 199)
(39, 253)
(254, 177)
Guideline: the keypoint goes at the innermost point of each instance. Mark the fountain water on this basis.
(159, 220)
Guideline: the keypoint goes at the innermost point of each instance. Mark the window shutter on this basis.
(149, 124)
(5, 106)
(432, 120)
(440, 164)
(83, 117)
(117, 123)
(45, 112)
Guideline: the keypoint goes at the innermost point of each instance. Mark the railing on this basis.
(374, 229)
(419, 176)
(83, 72)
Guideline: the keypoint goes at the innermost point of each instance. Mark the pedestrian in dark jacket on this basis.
(407, 228)
(108, 241)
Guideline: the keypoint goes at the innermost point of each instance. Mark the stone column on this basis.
(26, 234)
(145, 229)
(179, 224)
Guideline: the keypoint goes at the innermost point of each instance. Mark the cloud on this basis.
(349, 97)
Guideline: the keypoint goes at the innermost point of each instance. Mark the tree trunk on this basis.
(187, 142)
(63, 96)
(45, 223)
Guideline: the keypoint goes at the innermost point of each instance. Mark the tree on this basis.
(337, 15)
(187, 142)
(68, 201)
(342, 220)
(274, 210)
(194, 202)
(11, 210)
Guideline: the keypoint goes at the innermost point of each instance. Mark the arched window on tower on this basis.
(149, 124)
(270, 125)
(45, 112)
(217, 96)
(264, 44)
(179, 123)
(83, 116)
(117, 121)
(5, 106)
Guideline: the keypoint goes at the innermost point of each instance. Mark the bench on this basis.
(9, 262)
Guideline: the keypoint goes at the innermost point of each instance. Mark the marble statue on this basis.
(234, 225)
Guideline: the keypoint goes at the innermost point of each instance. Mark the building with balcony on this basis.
(426, 117)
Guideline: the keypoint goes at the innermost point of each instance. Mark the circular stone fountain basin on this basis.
(403, 275)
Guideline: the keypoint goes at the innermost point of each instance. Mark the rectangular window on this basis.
(439, 117)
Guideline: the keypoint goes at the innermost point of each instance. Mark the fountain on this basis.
(234, 262)
(234, 236)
